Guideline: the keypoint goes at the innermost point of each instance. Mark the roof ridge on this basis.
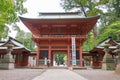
(15, 39)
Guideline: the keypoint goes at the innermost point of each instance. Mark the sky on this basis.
(36, 6)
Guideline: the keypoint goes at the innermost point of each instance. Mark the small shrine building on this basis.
(98, 52)
(53, 32)
(19, 53)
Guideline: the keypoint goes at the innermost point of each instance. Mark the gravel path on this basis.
(97, 74)
(20, 74)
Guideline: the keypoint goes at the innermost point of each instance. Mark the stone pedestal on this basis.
(108, 62)
(7, 62)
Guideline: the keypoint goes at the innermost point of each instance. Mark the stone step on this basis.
(45, 67)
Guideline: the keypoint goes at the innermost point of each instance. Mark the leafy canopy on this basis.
(112, 30)
(9, 9)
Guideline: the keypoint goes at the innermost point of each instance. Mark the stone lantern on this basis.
(8, 61)
(108, 61)
(9, 50)
(117, 51)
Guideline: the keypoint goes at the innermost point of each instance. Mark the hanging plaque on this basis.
(73, 51)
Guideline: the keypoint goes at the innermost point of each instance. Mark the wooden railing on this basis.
(60, 36)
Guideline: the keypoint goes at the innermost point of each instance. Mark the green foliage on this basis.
(113, 12)
(5, 33)
(5, 10)
(108, 18)
(90, 43)
(110, 68)
(19, 6)
(60, 58)
(94, 12)
(8, 13)
(112, 30)
(88, 7)
(116, 5)
(25, 38)
(102, 2)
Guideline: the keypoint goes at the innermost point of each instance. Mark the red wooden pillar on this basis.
(100, 59)
(80, 52)
(18, 62)
(38, 54)
(68, 56)
(93, 61)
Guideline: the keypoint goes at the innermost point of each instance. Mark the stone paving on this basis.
(98, 74)
(20, 74)
(57, 74)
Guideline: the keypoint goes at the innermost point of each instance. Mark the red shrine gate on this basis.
(52, 33)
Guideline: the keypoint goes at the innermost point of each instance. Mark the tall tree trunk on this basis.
(82, 8)
(95, 31)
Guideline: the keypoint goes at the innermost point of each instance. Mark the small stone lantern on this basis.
(8, 61)
(108, 61)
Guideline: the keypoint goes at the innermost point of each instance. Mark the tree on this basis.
(60, 58)
(110, 24)
(106, 8)
(6, 7)
(85, 7)
(90, 43)
(112, 30)
(116, 5)
(25, 38)
(8, 13)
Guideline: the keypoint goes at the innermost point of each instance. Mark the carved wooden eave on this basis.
(45, 26)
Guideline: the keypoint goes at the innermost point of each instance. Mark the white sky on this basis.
(36, 6)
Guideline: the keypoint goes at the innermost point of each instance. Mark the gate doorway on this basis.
(60, 59)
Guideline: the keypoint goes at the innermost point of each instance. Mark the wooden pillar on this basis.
(100, 59)
(68, 56)
(37, 56)
(81, 58)
(93, 61)
(18, 59)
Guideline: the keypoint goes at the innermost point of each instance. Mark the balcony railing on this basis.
(60, 36)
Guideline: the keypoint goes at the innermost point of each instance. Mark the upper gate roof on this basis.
(60, 23)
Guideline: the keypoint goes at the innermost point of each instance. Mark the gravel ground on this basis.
(20, 74)
(97, 74)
